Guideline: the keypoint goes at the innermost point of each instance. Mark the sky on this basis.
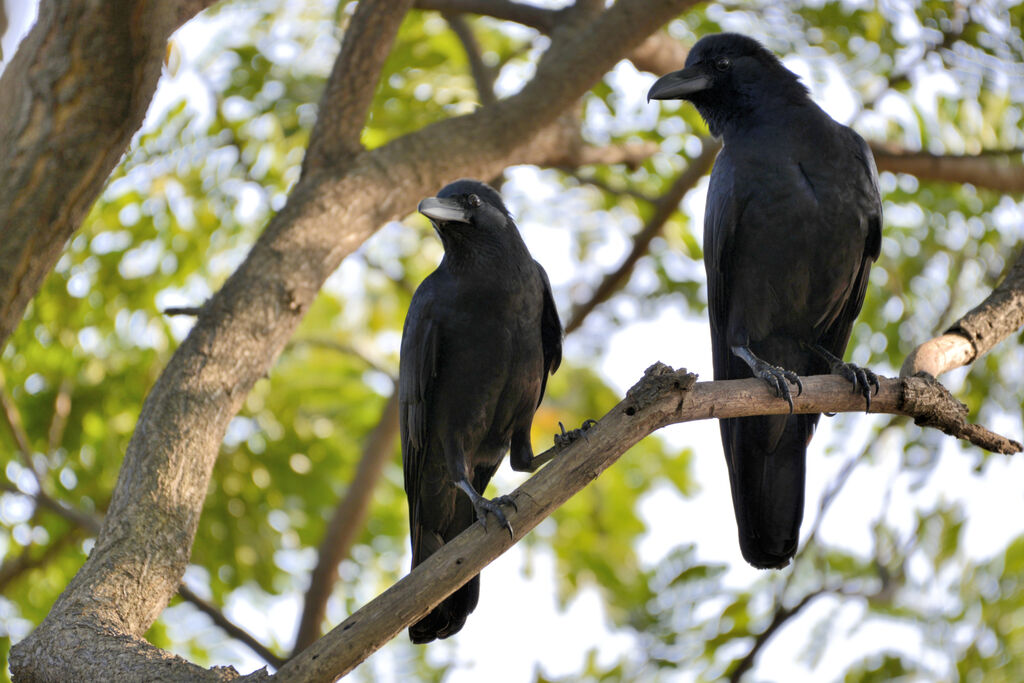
(518, 590)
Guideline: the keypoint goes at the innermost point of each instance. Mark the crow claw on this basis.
(567, 437)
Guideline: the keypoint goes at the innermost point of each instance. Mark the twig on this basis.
(781, 616)
(61, 410)
(606, 187)
(544, 20)
(230, 627)
(183, 310)
(17, 428)
(664, 208)
(13, 568)
(482, 74)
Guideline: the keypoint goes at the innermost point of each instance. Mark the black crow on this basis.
(792, 225)
(481, 336)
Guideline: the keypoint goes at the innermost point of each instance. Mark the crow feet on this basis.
(862, 379)
(778, 379)
(483, 506)
(567, 437)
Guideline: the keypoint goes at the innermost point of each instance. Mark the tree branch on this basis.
(1001, 171)
(142, 549)
(665, 206)
(544, 20)
(85, 72)
(779, 619)
(483, 77)
(662, 397)
(997, 317)
(353, 80)
(231, 628)
(346, 523)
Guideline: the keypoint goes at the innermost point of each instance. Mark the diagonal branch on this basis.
(231, 628)
(665, 206)
(352, 82)
(997, 317)
(662, 397)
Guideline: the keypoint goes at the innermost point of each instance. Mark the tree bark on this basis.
(73, 95)
(997, 317)
(143, 547)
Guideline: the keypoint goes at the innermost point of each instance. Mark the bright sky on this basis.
(517, 626)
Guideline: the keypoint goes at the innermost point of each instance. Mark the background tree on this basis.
(240, 198)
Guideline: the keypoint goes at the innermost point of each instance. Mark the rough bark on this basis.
(663, 396)
(997, 317)
(143, 547)
(85, 73)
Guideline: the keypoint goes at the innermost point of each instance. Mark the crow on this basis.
(792, 224)
(481, 337)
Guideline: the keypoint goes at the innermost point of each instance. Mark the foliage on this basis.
(218, 158)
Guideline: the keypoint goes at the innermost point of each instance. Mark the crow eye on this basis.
(473, 200)
(723, 63)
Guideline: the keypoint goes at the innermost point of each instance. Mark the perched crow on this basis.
(792, 225)
(481, 336)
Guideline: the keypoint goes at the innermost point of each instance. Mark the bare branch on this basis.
(61, 410)
(997, 317)
(482, 74)
(664, 208)
(231, 628)
(544, 20)
(14, 568)
(182, 310)
(12, 416)
(346, 523)
(85, 72)
(662, 397)
(1001, 171)
(779, 619)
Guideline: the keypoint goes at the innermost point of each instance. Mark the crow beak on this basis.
(678, 85)
(441, 210)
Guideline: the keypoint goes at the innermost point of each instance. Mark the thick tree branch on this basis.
(665, 206)
(352, 82)
(1001, 171)
(346, 523)
(85, 72)
(997, 317)
(662, 397)
(143, 547)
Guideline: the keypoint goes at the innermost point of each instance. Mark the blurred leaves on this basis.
(217, 158)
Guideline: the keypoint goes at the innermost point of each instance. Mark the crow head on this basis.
(729, 77)
(468, 213)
